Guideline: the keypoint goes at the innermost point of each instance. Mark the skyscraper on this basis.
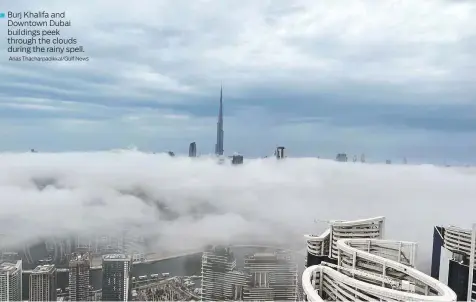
(220, 134)
(279, 152)
(453, 250)
(79, 268)
(11, 281)
(271, 277)
(115, 277)
(342, 157)
(43, 282)
(237, 159)
(220, 281)
(192, 150)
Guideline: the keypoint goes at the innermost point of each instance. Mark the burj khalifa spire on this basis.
(220, 133)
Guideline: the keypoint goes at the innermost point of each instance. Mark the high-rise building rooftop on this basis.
(218, 280)
(11, 281)
(43, 281)
(79, 277)
(115, 257)
(116, 285)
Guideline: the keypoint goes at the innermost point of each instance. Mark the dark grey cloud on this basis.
(376, 68)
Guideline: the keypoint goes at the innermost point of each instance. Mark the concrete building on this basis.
(220, 133)
(234, 285)
(237, 159)
(279, 153)
(116, 285)
(219, 279)
(271, 277)
(451, 260)
(43, 281)
(192, 150)
(342, 157)
(11, 281)
(79, 274)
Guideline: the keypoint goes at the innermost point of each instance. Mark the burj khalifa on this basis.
(220, 133)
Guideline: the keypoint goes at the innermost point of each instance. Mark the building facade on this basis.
(43, 281)
(451, 260)
(271, 277)
(220, 281)
(79, 274)
(342, 157)
(11, 281)
(116, 269)
(279, 153)
(192, 150)
(234, 285)
(220, 133)
(237, 159)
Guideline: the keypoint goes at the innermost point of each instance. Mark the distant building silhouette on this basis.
(192, 150)
(237, 159)
(342, 157)
(171, 153)
(220, 133)
(279, 153)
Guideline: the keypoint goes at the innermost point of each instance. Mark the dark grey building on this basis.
(116, 284)
(237, 159)
(451, 260)
(342, 157)
(279, 153)
(192, 150)
(79, 274)
(220, 133)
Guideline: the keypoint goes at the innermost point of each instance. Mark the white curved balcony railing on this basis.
(325, 244)
(373, 269)
(318, 245)
(362, 228)
(458, 240)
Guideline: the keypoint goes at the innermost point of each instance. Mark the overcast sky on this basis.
(385, 78)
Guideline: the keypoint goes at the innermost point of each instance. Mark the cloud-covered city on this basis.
(186, 203)
(368, 107)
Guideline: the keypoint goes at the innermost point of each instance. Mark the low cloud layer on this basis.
(184, 204)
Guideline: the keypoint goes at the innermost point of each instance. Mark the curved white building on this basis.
(351, 261)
